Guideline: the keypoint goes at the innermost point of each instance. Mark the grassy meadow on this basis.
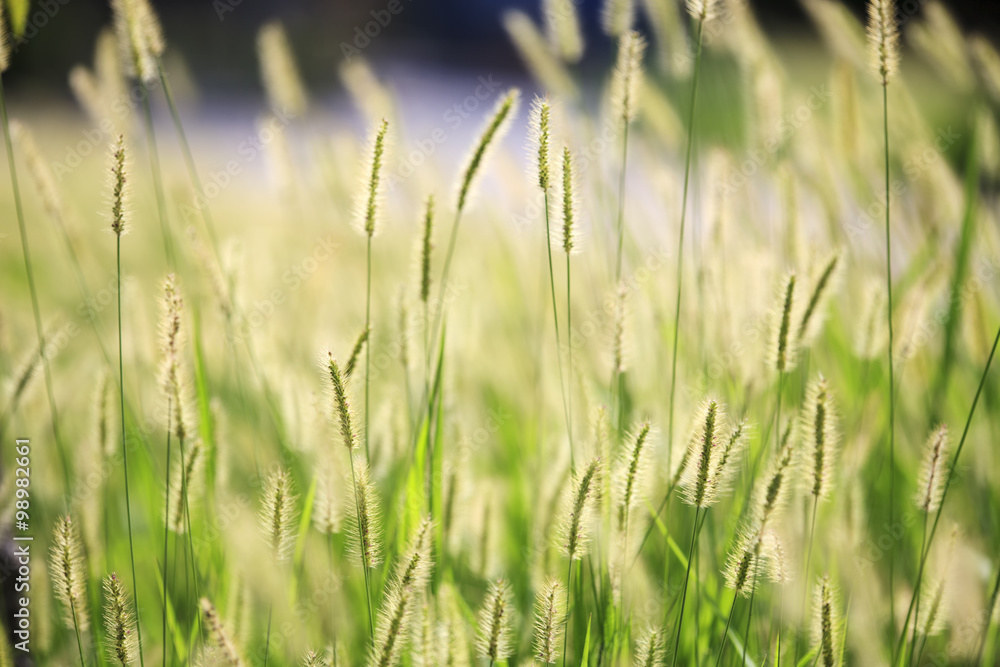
(687, 362)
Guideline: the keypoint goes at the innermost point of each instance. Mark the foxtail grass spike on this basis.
(826, 623)
(821, 438)
(341, 406)
(562, 26)
(401, 599)
(812, 318)
(4, 41)
(650, 649)
(69, 574)
(368, 208)
(120, 192)
(137, 57)
(277, 515)
(119, 622)
(285, 90)
(626, 81)
(632, 472)
(883, 39)
(540, 133)
(784, 349)
(930, 481)
(698, 482)
(702, 10)
(426, 246)
(496, 624)
(352, 361)
(492, 134)
(550, 613)
(579, 510)
(227, 652)
(366, 527)
(569, 227)
(617, 17)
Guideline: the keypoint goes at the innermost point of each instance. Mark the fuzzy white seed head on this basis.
(933, 470)
(496, 623)
(562, 26)
(282, 83)
(820, 439)
(617, 17)
(277, 515)
(626, 81)
(883, 39)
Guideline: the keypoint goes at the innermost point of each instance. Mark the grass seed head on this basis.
(69, 574)
(651, 648)
(137, 57)
(225, 650)
(426, 246)
(562, 26)
(540, 140)
(341, 404)
(569, 227)
(119, 622)
(492, 134)
(702, 10)
(373, 191)
(631, 472)
(278, 515)
(550, 614)
(821, 435)
(402, 596)
(359, 346)
(811, 321)
(784, 344)
(826, 622)
(930, 481)
(626, 81)
(617, 17)
(185, 485)
(883, 39)
(365, 527)
(578, 511)
(496, 623)
(4, 41)
(699, 480)
(172, 379)
(285, 90)
(119, 187)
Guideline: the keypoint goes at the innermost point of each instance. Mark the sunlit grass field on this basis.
(635, 382)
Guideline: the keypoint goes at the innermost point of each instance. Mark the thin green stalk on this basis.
(947, 485)
(36, 311)
(190, 537)
(555, 319)
(569, 607)
(687, 573)
(805, 571)
(368, 345)
(680, 242)
(76, 627)
(121, 398)
(986, 625)
(166, 532)
(916, 594)
(154, 165)
(364, 564)
(267, 641)
(753, 593)
(892, 376)
(569, 352)
(725, 633)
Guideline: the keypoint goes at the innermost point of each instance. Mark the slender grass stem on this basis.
(166, 531)
(892, 376)
(947, 485)
(805, 571)
(569, 608)
(680, 242)
(76, 628)
(154, 166)
(267, 640)
(569, 352)
(753, 593)
(725, 633)
(987, 622)
(368, 346)
(916, 595)
(35, 309)
(687, 574)
(121, 398)
(555, 319)
(364, 563)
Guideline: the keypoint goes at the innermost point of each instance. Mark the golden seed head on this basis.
(626, 81)
(883, 39)
(578, 511)
(119, 622)
(540, 139)
(278, 515)
(933, 470)
(69, 573)
(496, 626)
(119, 188)
(492, 134)
(550, 613)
